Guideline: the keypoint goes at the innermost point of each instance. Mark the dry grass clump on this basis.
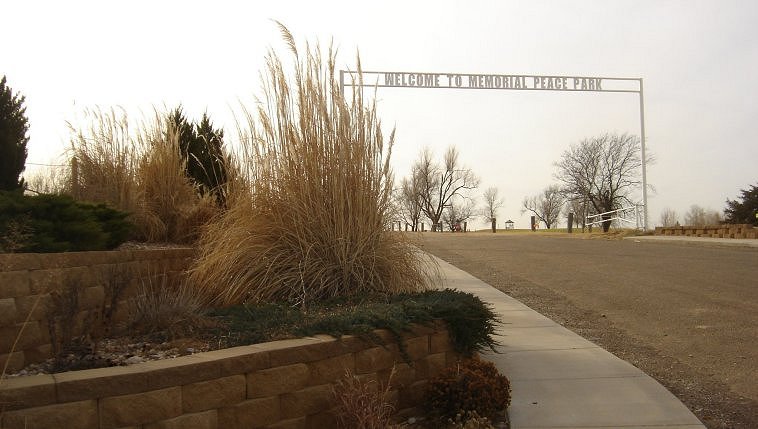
(168, 306)
(314, 221)
(363, 404)
(106, 160)
(171, 208)
(140, 172)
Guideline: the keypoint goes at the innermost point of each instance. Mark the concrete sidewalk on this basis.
(561, 380)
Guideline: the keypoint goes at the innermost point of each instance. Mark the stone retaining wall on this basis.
(55, 295)
(281, 384)
(713, 231)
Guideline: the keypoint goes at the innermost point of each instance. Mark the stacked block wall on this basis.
(712, 231)
(282, 384)
(30, 283)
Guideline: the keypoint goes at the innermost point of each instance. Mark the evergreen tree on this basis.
(745, 211)
(13, 138)
(201, 147)
(210, 165)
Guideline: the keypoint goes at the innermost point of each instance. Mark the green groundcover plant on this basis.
(57, 223)
(470, 321)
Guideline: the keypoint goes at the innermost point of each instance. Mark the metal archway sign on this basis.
(395, 79)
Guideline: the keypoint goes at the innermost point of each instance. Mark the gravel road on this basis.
(685, 314)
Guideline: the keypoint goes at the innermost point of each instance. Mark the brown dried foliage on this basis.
(312, 218)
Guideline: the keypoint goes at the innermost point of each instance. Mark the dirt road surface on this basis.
(685, 314)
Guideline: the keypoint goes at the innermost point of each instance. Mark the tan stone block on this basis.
(100, 383)
(331, 369)
(8, 336)
(430, 366)
(14, 361)
(38, 354)
(211, 394)
(8, 311)
(14, 284)
(403, 375)
(253, 413)
(348, 343)
(43, 281)
(274, 381)
(152, 254)
(179, 371)
(371, 379)
(286, 352)
(240, 360)
(204, 420)
(19, 261)
(299, 423)
(61, 260)
(37, 305)
(31, 391)
(30, 335)
(304, 402)
(393, 398)
(81, 414)
(417, 348)
(439, 342)
(121, 313)
(91, 297)
(413, 395)
(140, 408)
(321, 420)
(376, 358)
(419, 330)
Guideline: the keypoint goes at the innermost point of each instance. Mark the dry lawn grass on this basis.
(312, 221)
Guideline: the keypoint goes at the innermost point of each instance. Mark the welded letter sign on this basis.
(489, 81)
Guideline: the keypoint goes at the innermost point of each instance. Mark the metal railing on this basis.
(623, 215)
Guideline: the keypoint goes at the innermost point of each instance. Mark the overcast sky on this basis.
(698, 59)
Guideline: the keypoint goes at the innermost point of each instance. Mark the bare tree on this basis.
(492, 203)
(713, 217)
(409, 200)
(439, 183)
(459, 211)
(580, 209)
(699, 216)
(602, 170)
(669, 217)
(546, 206)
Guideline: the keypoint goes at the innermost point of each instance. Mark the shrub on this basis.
(57, 223)
(471, 386)
(314, 222)
(471, 322)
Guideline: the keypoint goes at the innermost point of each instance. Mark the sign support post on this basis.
(511, 82)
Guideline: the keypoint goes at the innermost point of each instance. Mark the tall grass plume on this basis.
(139, 170)
(314, 221)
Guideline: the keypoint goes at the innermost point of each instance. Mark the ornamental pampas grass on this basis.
(314, 220)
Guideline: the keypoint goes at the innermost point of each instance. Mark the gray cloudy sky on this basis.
(698, 59)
